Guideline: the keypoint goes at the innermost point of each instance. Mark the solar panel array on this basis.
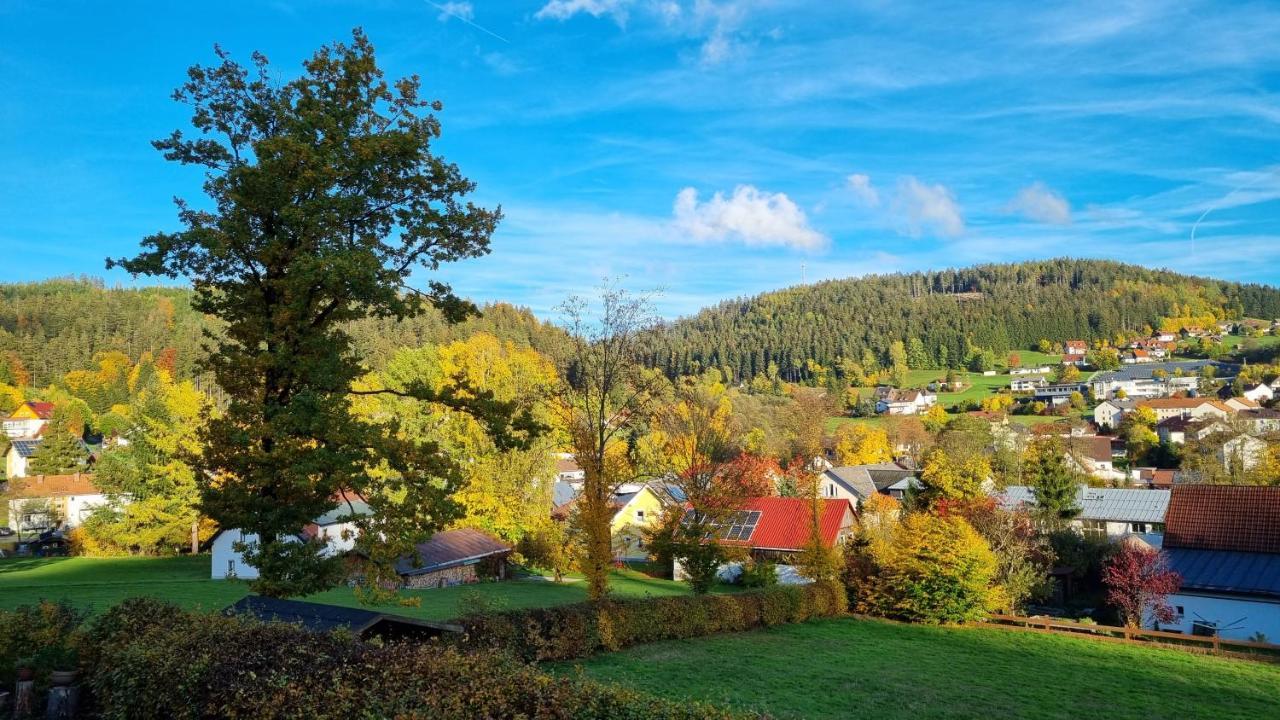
(741, 526)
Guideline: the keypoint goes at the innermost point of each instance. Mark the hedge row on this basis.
(147, 659)
(569, 632)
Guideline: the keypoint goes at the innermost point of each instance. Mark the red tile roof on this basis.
(784, 522)
(47, 486)
(1224, 517)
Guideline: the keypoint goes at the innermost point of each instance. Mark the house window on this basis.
(1094, 528)
(1140, 528)
(639, 514)
(831, 490)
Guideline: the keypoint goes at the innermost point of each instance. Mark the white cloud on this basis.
(863, 190)
(748, 215)
(565, 9)
(925, 208)
(1037, 202)
(461, 10)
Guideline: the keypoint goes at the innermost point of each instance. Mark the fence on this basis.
(1209, 644)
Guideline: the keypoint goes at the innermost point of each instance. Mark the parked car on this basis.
(5, 531)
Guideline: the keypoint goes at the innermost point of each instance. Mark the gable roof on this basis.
(451, 548)
(1094, 447)
(47, 486)
(1224, 517)
(1146, 371)
(784, 522)
(317, 617)
(1114, 504)
(854, 478)
(1227, 571)
(1183, 403)
(42, 410)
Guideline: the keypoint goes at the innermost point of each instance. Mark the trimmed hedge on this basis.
(568, 632)
(147, 659)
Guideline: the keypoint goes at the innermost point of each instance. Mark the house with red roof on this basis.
(778, 528)
(28, 420)
(1224, 540)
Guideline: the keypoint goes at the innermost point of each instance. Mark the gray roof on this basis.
(1146, 371)
(449, 548)
(855, 479)
(887, 475)
(1227, 571)
(1115, 504)
(562, 493)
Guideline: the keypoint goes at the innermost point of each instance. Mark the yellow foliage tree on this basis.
(859, 444)
(949, 478)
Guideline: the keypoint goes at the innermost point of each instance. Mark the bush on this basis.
(42, 636)
(758, 574)
(205, 666)
(928, 569)
(569, 632)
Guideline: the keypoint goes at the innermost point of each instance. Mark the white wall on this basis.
(1237, 619)
(227, 563)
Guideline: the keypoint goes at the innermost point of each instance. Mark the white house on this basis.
(45, 502)
(28, 419)
(335, 528)
(1154, 380)
(1107, 513)
(893, 401)
(1224, 541)
(1242, 452)
(1259, 393)
(1109, 413)
(1040, 370)
(1262, 421)
(1192, 408)
(1029, 383)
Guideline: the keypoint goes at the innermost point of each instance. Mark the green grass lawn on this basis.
(98, 583)
(850, 668)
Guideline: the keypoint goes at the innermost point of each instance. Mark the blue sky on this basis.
(712, 148)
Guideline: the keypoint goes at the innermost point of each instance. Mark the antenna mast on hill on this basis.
(804, 277)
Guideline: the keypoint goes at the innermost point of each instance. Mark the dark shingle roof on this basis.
(450, 548)
(1224, 517)
(1227, 571)
(323, 618)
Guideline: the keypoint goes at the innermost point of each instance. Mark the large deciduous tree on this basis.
(324, 198)
(606, 394)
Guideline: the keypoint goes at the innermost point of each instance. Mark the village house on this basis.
(19, 456)
(1135, 356)
(1027, 384)
(1093, 455)
(1260, 421)
(1058, 394)
(1242, 453)
(777, 529)
(1150, 477)
(1107, 513)
(567, 469)
(1236, 404)
(336, 529)
(1156, 380)
(1259, 393)
(1224, 541)
(895, 401)
(856, 483)
(1075, 347)
(1178, 430)
(637, 508)
(1038, 370)
(1192, 408)
(52, 502)
(28, 420)
(1109, 413)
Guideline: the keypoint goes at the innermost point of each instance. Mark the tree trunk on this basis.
(195, 536)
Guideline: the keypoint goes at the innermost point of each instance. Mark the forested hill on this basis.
(51, 327)
(950, 313)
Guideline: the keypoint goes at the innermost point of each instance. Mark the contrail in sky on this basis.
(452, 14)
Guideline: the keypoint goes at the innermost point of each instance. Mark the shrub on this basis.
(42, 635)
(928, 569)
(569, 632)
(205, 666)
(758, 574)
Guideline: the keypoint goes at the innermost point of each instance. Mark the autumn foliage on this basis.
(1139, 581)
